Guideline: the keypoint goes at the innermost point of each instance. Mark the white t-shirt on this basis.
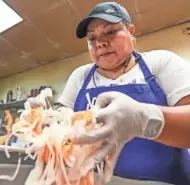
(171, 71)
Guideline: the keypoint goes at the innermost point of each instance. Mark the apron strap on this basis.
(84, 86)
(89, 76)
(150, 78)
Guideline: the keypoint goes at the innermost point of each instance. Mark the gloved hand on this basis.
(68, 112)
(124, 119)
(35, 102)
(44, 99)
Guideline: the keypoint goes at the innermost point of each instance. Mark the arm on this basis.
(173, 75)
(176, 131)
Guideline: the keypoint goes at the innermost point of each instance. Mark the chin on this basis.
(103, 63)
(106, 65)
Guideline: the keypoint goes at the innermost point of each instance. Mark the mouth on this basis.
(105, 54)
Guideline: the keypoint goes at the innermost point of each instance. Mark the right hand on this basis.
(124, 119)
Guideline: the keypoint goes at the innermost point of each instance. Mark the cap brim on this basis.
(82, 26)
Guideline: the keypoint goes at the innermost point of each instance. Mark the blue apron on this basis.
(140, 159)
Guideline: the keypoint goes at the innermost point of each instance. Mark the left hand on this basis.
(123, 119)
(44, 99)
(34, 102)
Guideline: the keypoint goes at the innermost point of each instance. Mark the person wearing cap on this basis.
(142, 99)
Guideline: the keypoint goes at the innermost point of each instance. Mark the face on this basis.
(109, 44)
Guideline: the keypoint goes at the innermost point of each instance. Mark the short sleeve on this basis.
(70, 92)
(73, 85)
(173, 75)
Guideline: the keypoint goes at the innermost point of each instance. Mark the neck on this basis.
(118, 71)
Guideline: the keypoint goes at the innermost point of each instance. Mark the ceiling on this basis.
(47, 33)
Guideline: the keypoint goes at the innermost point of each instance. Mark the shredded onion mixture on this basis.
(46, 134)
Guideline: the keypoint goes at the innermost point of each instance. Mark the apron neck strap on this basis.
(144, 68)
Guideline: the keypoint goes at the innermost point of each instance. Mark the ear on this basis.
(132, 29)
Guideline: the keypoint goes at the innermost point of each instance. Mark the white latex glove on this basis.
(124, 119)
(68, 112)
(45, 98)
(34, 102)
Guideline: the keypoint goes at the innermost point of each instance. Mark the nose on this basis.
(100, 43)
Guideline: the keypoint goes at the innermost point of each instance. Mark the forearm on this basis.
(176, 131)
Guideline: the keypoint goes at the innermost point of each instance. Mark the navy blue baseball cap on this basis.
(108, 11)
